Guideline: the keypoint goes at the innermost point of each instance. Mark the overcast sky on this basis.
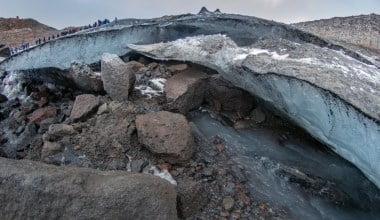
(65, 13)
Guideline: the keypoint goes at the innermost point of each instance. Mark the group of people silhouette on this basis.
(66, 32)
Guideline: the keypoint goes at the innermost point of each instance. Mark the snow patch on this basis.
(164, 174)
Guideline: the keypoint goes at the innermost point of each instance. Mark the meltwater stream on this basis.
(299, 176)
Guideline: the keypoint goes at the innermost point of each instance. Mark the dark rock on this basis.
(185, 90)
(225, 97)
(192, 197)
(204, 10)
(217, 11)
(3, 98)
(42, 114)
(118, 78)
(5, 52)
(167, 135)
(22, 141)
(258, 116)
(84, 106)
(84, 78)
(72, 193)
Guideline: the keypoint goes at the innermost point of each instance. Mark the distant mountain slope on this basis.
(362, 30)
(15, 31)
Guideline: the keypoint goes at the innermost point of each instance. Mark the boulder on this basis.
(135, 66)
(84, 106)
(191, 197)
(84, 78)
(42, 114)
(57, 131)
(167, 135)
(185, 90)
(118, 78)
(177, 67)
(226, 97)
(32, 190)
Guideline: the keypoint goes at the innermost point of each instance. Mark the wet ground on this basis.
(290, 171)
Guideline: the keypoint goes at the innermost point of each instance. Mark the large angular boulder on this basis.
(32, 190)
(84, 106)
(166, 134)
(118, 77)
(185, 90)
(84, 78)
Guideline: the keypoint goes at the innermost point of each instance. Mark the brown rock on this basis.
(135, 66)
(164, 166)
(167, 135)
(118, 78)
(84, 106)
(42, 114)
(185, 90)
(177, 67)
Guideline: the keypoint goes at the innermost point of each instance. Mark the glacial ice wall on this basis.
(324, 109)
(89, 46)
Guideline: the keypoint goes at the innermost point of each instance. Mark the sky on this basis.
(60, 14)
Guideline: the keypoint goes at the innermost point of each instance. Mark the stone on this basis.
(135, 66)
(50, 148)
(22, 141)
(258, 116)
(84, 78)
(228, 203)
(3, 98)
(177, 67)
(192, 197)
(225, 97)
(80, 193)
(185, 90)
(42, 114)
(84, 106)
(57, 131)
(118, 78)
(166, 134)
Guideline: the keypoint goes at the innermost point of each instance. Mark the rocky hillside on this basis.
(362, 30)
(15, 31)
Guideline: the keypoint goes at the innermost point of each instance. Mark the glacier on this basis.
(335, 98)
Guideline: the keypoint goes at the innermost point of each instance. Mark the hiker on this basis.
(115, 20)
(44, 39)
